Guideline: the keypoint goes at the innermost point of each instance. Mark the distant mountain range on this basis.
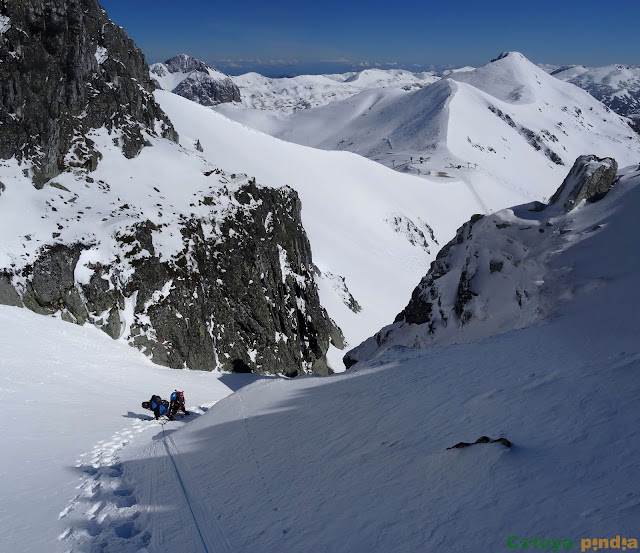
(616, 86)
(480, 126)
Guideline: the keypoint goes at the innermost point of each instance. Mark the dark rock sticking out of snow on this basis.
(590, 179)
(491, 276)
(482, 440)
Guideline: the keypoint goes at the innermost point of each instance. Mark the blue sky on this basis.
(289, 37)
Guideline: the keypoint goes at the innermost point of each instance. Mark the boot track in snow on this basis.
(108, 518)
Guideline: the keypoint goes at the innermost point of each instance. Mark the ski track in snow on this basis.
(105, 514)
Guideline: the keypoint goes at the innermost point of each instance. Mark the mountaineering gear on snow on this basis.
(159, 407)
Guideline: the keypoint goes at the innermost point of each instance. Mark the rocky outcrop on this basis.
(492, 276)
(590, 179)
(239, 295)
(204, 90)
(195, 80)
(67, 69)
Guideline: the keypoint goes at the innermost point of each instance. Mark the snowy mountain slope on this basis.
(71, 399)
(509, 121)
(568, 72)
(270, 467)
(564, 392)
(194, 79)
(291, 94)
(616, 86)
(507, 271)
(366, 224)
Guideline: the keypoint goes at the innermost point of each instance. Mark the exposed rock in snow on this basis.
(415, 233)
(482, 440)
(497, 274)
(590, 179)
(195, 80)
(223, 293)
(339, 285)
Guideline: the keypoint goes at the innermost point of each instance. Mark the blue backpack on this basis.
(161, 404)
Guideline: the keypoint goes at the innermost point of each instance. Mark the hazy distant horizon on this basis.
(285, 37)
(283, 68)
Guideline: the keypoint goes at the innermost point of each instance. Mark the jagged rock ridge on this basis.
(195, 80)
(66, 69)
(494, 275)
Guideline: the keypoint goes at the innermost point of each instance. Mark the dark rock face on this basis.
(590, 179)
(66, 69)
(425, 305)
(202, 83)
(242, 298)
(204, 90)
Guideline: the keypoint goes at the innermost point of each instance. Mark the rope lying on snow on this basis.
(184, 491)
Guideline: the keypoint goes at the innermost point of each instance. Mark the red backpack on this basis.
(178, 397)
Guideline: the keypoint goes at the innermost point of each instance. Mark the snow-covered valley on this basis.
(564, 392)
(464, 242)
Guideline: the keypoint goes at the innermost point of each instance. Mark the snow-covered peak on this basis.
(194, 79)
(371, 78)
(511, 77)
(457, 70)
(507, 125)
